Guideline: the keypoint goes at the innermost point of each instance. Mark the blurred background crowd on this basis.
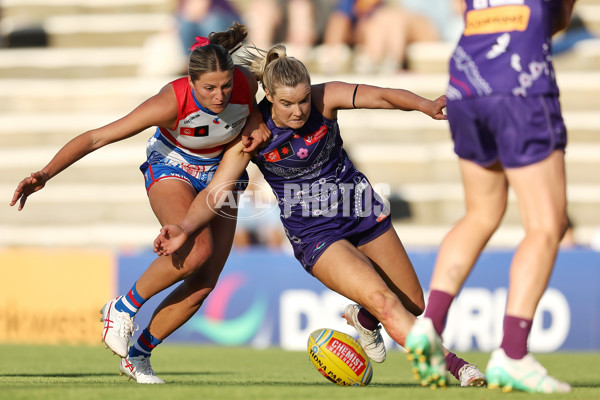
(330, 36)
(69, 65)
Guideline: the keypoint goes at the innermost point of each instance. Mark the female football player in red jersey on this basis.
(195, 116)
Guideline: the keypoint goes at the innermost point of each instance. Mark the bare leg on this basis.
(541, 193)
(183, 302)
(195, 263)
(486, 192)
(390, 260)
(347, 271)
(170, 200)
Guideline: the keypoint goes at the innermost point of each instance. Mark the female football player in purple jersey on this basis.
(195, 116)
(339, 228)
(507, 128)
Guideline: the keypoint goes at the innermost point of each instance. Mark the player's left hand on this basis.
(436, 108)
(171, 238)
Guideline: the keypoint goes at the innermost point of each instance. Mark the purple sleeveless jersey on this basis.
(502, 96)
(322, 197)
(505, 48)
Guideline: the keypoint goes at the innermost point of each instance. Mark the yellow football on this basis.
(339, 358)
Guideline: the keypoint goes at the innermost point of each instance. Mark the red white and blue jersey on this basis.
(199, 135)
(505, 48)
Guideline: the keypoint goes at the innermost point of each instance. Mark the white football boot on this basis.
(371, 341)
(470, 375)
(118, 328)
(425, 352)
(526, 374)
(139, 368)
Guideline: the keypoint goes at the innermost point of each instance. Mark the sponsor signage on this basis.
(266, 299)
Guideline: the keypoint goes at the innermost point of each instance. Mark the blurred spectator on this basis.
(576, 32)
(166, 53)
(201, 17)
(377, 30)
(297, 23)
(446, 15)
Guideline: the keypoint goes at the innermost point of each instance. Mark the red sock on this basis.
(437, 309)
(516, 332)
(367, 320)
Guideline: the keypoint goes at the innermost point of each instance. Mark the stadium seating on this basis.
(93, 71)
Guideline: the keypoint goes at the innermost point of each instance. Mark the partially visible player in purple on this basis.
(507, 128)
(339, 228)
(195, 116)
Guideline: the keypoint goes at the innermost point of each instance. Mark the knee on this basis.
(551, 230)
(194, 260)
(486, 219)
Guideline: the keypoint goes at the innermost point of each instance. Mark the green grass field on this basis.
(198, 372)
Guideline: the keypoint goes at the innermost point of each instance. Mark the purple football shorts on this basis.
(308, 253)
(517, 131)
(311, 236)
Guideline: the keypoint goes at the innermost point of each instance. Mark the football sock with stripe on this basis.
(437, 309)
(144, 345)
(131, 302)
(516, 332)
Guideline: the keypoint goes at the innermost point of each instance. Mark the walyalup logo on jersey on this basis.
(280, 153)
(198, 131)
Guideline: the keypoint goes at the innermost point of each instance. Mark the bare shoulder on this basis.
(338, 95)
(160, 109)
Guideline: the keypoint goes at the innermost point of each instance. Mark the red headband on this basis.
(201, 41)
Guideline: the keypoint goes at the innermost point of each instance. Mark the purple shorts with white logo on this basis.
(517, 131)
(360, 219)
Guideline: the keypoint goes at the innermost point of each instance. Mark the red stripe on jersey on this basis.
(171, 139)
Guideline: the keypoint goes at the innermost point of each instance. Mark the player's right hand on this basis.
(171, 238)
(27, 186)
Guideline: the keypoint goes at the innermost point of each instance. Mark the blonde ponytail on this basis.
(275, 68)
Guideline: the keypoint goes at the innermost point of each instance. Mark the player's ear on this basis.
(268, 95)
(190, 82)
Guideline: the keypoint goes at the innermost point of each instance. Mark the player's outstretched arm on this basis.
(341, 95)
(159, 110)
